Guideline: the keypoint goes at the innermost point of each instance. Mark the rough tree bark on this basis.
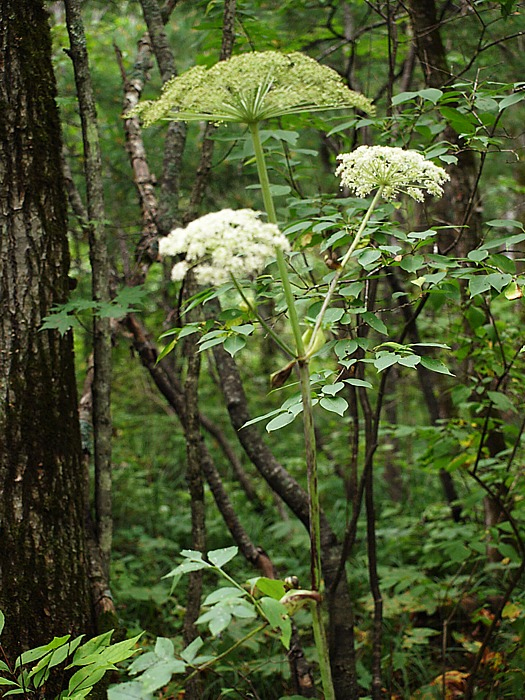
(102, 429)
(43, 578)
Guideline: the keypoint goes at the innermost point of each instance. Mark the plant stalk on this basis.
(321, 642)
(340, 270)
(272, 218)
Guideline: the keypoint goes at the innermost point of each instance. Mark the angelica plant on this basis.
(249, 89)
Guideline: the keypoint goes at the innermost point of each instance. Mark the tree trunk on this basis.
(98, 255)
(43, 578)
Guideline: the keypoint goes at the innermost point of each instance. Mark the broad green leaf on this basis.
(460, 122)
(430, 345)
(40, 672)
(511, 100)
(411, 263)
(243, 609)
(164, 648)
(279, 135)
(477, 255)
(422, 235)
(167, 349)
(402, 97)
(131, 296)
(38, 652)
(187, 567)
(78, 695)
(333, 389)
(497, 280)
(435, 366)
(85, 677)
(189, 329)
(170, 332)
(385, 359)
(503, 263)
(160, 674)
(232, 344)
(504, 223)
(62, 322)
(260, 418)
(111, 309)
(220, 557)
(409, 360)
(513, 291)
(333, 315)
(371, 319)
(345, 347)
(368, 257)
(191, 651)
(501, 401)
(142, 662)
(227, 592)
(336, 404)
(2, 621)
(274, 611)
(128, 691)
(218, 619)
(358, 382)
(478, 285)
(6, 681)
(280, 190)
(333, 239)
(352, 290)
(245, 329)
(295, 228)
(280, 421)
(277, 616)
(270, 587)
(342, 127)
(114, 654)
(207, 344)
(92, 646)
(431, 94)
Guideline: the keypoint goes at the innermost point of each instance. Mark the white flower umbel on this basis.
(393, 170)
(222, 244)
(251, 87)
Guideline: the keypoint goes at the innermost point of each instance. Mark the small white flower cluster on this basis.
(395, 170)
(223, 243)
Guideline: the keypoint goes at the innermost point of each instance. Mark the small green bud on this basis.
(319, 341)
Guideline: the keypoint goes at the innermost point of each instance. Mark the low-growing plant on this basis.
(262, 604)
(28, 675)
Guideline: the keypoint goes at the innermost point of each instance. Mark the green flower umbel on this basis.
(252, 87)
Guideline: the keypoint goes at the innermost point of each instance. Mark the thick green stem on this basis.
(272, 218)
(309, 432)
(340, 270)
(321, 642)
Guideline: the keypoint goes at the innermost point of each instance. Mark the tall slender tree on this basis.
(43, 580)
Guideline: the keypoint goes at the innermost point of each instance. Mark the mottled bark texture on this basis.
(98, 256)
(43, 580)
